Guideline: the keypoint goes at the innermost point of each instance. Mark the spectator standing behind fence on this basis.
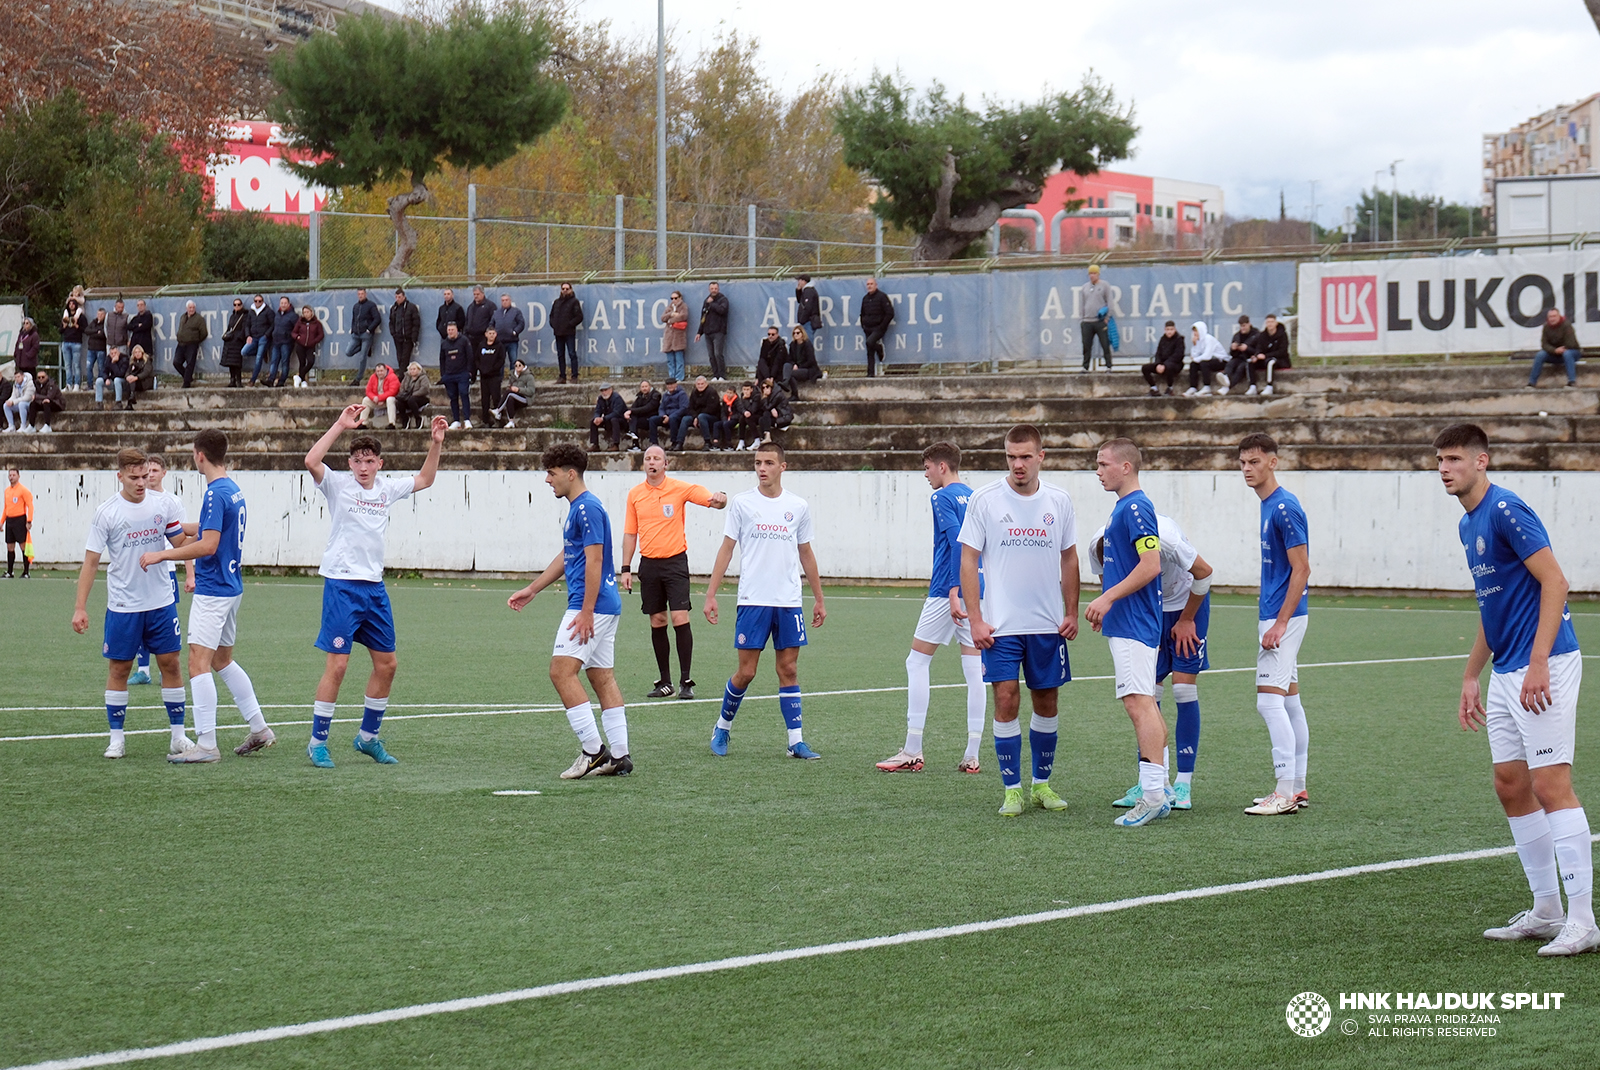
(566, 316)
(450, 311)
(141, 377)
(607, 417)
(73, 322)
(491, 367)
(142, 330)
(16, 406)
(113, 375)
(675, 335)
(1168, 361)
(1206, 359)
(117, 326)
(405, 327)
(519, 395)
(801, 367)
(1239, 349)
(258, 342)
(674, 403)
(1557, 341)
(46, 400)
(455, 372)
(646, 403)
(414, 395)
(1094, 313)
(509, 323)
(714, 329)
(480, 317)
(770, 358)
(191, 332)
(808, 309)
(365, 323)
(877, 313)
(382, 389)
(283, 326)
(1269, 352)
(26, 354)
(233, 336)
(307, 336)
(94, 345)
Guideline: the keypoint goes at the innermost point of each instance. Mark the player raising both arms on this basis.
(772, 529)
(944, 617)
(141, 608)
(1128, 614)
(586, 638)
(1284, 612)
(1026, 536)
(355, 603)
(1531, 710)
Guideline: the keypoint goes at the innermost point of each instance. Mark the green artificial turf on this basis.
(144, 904)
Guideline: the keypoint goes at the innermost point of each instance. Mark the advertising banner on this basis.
(1446, 304)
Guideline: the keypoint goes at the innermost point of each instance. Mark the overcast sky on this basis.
(1254, 95)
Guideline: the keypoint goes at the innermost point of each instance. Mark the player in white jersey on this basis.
(355, 603)
(153, 481)
(140, 606)
(1026, 535)
(1186, 613)
(772, 529)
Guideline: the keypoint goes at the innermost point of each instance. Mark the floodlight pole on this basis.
(1396, 176)
(661, 135)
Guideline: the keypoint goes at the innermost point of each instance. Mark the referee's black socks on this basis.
(685, 652)
(658, 639)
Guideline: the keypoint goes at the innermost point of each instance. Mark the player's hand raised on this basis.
(350, 417)
(1471, 713)
(520, 599)
(438, 428)
(711, 609)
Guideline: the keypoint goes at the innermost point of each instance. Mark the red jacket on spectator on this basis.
(308, 332)
(382, 389)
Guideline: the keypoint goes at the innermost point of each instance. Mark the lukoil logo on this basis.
(1308, 1014)
(1350, 308)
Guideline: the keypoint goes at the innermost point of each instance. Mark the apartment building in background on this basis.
(1557, 142)
(1152, 212)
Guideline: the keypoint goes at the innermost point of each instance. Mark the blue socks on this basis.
(1008, 749)
(372, 716)
(173, 698)
(1187, 733)
(321, 720)
(1042, 745)
(789, 704)
(116, 709)
(731, 697)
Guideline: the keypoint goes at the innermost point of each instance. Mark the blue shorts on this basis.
(1168, 660)
(356, 611)
(1041, 658)
(156, 630)
(784, 625)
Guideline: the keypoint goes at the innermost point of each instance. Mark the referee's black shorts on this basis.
(664, 583)
(17, 532)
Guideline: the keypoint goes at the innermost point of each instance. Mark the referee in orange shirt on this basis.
(19, 522)
(654, 524)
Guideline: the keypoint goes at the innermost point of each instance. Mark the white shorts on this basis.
(1135, 666)
(213, 620)
(1280, 667)
(599, 652)
(938, 627)
(1515, 734)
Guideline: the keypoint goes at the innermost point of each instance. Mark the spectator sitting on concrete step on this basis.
(519, 395)
(1557, 341)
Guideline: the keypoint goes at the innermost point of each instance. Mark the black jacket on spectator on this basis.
(808, 308)
(1274, 346)
(1247, 336)
(803, 355)
(233, 338)
(566, 315)
(645, 405)
(118, 367)
(94, 335)
(365, 317)
(260, 322)
(283, 322)
(1169, 352)
(707, 402)
(779, 401)
(769, 365)
(145, 371)
(714, 315)
(72, 325)
(455, 358)
(604, 408)
(480, 316)
(405, 322)
(142, 330)
(450, 312)
(491, 359)
(877, 311)
(509, 323)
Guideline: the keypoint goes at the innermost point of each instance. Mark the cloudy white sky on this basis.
(1254, 95)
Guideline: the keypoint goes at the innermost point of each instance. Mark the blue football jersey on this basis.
(1499, 535)
(223, 512)
(949, 510)
(588, 525)
(1132, 530)
(1283, 525)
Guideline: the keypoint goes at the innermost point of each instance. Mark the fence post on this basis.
(877, 241)
(472, 230)
(314, 245)
(750, 249)
(621, 237)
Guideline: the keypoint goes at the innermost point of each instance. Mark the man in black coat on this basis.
(258, 340)
(608, 414)
(1168, 360)
(1268, 353)
(405, 327)
(566, 316)
(450, 311)
(769, 364)
(142, 330)
(509, 323)
(365, 323)
(705, 412)
(491, 368)
(877, 312)
(646, 403)
(808, 309)
(480, 317)
(714, 329)
(1239, 353)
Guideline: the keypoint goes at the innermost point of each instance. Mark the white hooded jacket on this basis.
(1207, 347)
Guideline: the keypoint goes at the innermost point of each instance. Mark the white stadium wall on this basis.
(1368, 529)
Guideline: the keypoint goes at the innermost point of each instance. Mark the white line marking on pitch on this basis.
(739, 962)
(508, 791)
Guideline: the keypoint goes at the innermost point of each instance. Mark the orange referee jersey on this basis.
(655, 514)
(19, 502)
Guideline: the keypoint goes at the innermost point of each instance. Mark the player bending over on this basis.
(141, 606)
(1025, 534)
(1531, 711)
(214, 610)
(586, 638)
(1128, 614)
(944, 617)
(772, 529)
(1284, 612)
(355, 603)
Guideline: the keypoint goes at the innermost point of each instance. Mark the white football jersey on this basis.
(1021, 539)
(360, 517)
(121, 532)
(175, 508)
(769, 532)
(1177, 558)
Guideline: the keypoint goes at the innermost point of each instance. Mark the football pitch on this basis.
(146, 905)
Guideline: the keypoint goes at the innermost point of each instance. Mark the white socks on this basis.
(1282, 734)
(1574, 854)
(205, 709)
(581, 718)
(1302, 738)
(244, 695)
(1153, 779)
(1531, 834)
(977, 701)
(615, 721)
(918, 689)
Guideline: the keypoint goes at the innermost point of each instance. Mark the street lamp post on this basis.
(1377, 202)
(1395, 237)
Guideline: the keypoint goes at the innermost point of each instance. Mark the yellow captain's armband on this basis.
(1146, 544)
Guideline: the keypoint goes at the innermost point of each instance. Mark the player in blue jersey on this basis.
(355, 603)
(1025, 534)
(1532, 706)
(586, 637)
(944, 617)
(1285, 575)
(1128, 613)
(141, 609)
(216, 550)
